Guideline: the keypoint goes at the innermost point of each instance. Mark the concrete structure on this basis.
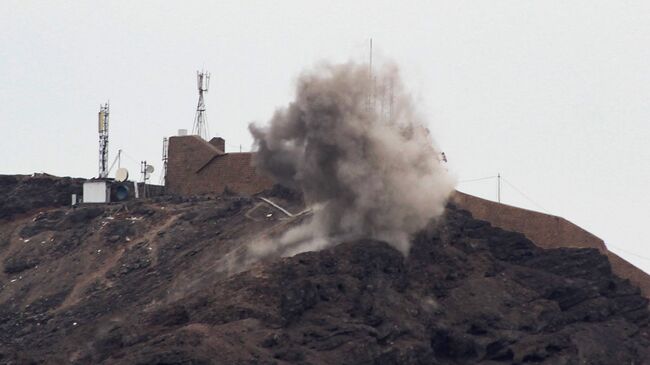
(96, 191)
(198, 167)
(548, 231)
(195, 166)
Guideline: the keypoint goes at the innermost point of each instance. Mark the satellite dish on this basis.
(121, 192)
(121, 174)
(149, 169)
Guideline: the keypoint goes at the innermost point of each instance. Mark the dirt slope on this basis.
(148, 283)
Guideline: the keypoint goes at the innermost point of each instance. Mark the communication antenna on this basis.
(121, 174)
(104, 111)
(200, 120)
(146, 171)
(163, 176)
(371, 78)
(117, 160)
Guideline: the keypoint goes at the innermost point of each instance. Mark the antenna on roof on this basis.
(200, 120)
(146, 171)
(121, 174)
(104, 111)
(165, 158)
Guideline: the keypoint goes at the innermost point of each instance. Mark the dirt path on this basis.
(14, 240)
(76, 294)
(152, 234)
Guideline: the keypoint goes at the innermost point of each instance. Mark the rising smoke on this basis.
(359, 152)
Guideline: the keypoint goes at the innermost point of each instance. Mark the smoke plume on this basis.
(358, 150)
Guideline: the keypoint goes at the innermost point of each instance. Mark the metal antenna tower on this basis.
(104, 111)
(165, 157)
(200, 120)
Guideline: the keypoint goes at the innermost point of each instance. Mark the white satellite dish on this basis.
(121, 174)
(149, 169)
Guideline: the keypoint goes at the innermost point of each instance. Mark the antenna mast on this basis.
(200, 120)
(372, 93)
(165, 158)
(104, 111)
(499, 187)
(370, 61)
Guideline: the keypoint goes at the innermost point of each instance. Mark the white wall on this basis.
(96, 192)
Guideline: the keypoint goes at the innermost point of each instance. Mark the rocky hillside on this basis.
(22, 193)
(154, 282)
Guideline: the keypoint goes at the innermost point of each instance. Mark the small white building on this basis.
(96, 191)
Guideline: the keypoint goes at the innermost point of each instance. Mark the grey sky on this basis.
(555, 95)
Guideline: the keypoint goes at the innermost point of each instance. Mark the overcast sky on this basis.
(554, 95)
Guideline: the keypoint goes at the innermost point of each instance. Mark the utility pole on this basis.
(499, 187)
(145, 170)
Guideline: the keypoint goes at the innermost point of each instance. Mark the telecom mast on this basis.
(165, 158)
(200, 121)
(103, 140)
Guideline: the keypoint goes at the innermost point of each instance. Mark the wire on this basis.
(524, 195)
(129, 157)
(627, 252)
(478, 179)
(609, 247)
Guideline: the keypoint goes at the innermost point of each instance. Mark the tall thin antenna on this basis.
(200, 120)
(143, 171)
(164, 161)
(370, 62)
(390, 99)
(118, 160)
(499, 187)
(104, 112)
(382, 97)
(371, 79)
(146, 171)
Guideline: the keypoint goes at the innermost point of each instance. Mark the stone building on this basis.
(195, 166)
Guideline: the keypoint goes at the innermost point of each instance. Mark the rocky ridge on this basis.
(151, 282)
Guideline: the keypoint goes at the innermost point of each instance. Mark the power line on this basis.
(477, 179)
(510, 184)
(130, 157)
(627, 252)
(524, 195)
(609, 246)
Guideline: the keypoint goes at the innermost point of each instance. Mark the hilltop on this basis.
(154, 282)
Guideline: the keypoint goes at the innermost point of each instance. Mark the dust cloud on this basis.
(356, 147)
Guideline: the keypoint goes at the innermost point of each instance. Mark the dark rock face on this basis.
(144, 284)
(20, 194)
